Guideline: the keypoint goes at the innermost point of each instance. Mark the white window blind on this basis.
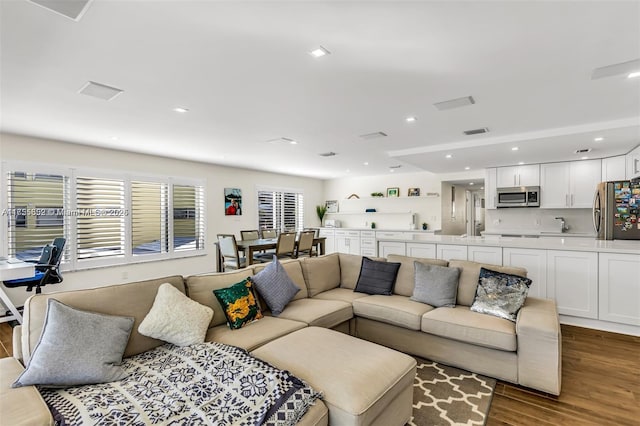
(35, 212)
(149, 218)
(280, 209)
(100, 229)
(188, 217)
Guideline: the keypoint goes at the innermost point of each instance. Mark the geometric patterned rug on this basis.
(444, 395)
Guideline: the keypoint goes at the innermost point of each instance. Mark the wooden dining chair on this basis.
(229, 252)
(269, 233)
(285, 247)
(305, 244)
(250, 235)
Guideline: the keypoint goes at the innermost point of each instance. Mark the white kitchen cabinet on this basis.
(633, 163)
(485, 254)
(421, 250)
(619, 288)
(535, 262)
(614, 168)
(390, 235)
(490, 188)
(347, 241)
(572, 280)
(569, 184)
(368, 243)
(450, 251)
(385, 248)
(330, 240)
(525, 175)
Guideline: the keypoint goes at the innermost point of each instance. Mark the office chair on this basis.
(47, 268)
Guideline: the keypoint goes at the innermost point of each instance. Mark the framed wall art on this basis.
(414, 192)
(393, 192)
(232, 201)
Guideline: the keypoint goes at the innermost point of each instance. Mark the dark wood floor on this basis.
(600, 384)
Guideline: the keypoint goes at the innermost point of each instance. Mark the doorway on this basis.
(463, 207)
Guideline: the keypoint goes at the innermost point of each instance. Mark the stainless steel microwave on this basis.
(519, 196)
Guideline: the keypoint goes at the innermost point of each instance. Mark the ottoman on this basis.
(362, 383)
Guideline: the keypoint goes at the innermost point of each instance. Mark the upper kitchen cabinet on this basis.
(569, 185)
(633, 163)
(490, 193)
(613, 168)
(528, 175)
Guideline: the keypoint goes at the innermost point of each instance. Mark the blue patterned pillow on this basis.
(500, 294)
(275, 286)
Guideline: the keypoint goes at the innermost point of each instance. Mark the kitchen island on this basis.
(595, 283)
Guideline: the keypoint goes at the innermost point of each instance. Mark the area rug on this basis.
(444, 395)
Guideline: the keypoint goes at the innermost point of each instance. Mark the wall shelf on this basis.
(369, 213)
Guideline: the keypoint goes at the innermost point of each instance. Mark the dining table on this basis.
(249, 247)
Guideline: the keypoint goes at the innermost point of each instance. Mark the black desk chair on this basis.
(47, 268)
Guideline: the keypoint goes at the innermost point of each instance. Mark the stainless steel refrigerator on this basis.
(616, 208)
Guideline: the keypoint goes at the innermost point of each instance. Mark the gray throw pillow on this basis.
(275, 286)
(377, 277)
(435, 285)
(500, 294)
(77, 348)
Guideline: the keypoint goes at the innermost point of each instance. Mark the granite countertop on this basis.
(574, 244)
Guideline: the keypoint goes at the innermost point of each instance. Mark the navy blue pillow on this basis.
(377, 277)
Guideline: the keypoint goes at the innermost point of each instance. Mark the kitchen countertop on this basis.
(428, 231)
(575, 244)
(537, 233)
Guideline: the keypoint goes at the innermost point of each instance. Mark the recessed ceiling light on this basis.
(467, 168)
(515, 148)
(598, 139)
(293, 142)
(114, 138)
(448, 156)
(471, 183)
(482, 187)
(521, 163)
(391, 170)
(584, 158)
(410, 119)
(366, 163)
(180, 109)
(634, 74)
(319, 52)
(347, 170)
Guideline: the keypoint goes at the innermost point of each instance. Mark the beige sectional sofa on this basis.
(527, 352)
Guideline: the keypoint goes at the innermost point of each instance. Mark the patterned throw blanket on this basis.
(203, 384)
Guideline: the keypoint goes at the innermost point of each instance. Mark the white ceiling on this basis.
(244, 72)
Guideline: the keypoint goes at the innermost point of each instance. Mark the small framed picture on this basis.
(393, 192)
(332, 206)
(414, 192)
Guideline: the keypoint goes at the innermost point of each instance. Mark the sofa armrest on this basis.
(20, 406)
(539, 346)
(17, 342)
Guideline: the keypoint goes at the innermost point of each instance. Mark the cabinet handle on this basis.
(572, 199)
(566, 200)
(636, 167)
(515, 180)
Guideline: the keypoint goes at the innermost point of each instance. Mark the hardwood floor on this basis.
(600, 384)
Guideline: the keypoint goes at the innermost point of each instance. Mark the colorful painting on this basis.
(232, 201)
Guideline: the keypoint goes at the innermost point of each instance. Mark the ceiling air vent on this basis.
(455, 103)
(476, 131)
(374, 135)
(397, 166)
(101, 91)
(327, 154)
(73, 9)
(582, 151)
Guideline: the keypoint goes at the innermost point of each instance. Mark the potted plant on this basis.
(321, 211)
(424, 226)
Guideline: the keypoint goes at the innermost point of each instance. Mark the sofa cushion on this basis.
(394, 309)
(471, 327)
(470, 273)
(377, 277)
(25, 403)
(239, 303)
(350, 265)
(200, 288)
(343, 294)
(255, 334)
(317, 312)
(77, 348)
(175, 318)
(293, 268)
(405, 280)
(500, 294)
(436, 285)
(275, 286)
(321, 273)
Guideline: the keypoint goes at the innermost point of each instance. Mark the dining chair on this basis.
(285, 247)
(305, 244)
(250, 235)
(269, 233)
(229, 252)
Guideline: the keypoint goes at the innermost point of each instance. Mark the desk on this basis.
(251, 246)
(13, 271)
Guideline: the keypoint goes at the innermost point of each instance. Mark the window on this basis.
(108, 219)
(282, 210)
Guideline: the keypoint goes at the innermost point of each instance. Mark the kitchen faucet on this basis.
(563, 224)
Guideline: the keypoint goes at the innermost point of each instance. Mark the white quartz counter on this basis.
(575, 244)
(428, 231)
(537, 233)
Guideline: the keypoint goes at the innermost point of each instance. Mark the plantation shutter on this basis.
(282, 210)
(36, 212)
(101, 218)
(188, 217)
(149, 218)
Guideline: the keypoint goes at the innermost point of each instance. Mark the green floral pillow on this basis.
(239, 304)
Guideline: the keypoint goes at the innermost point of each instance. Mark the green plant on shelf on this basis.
(377, 194)
(321, 211)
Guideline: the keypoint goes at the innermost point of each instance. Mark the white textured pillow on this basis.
(175, 318)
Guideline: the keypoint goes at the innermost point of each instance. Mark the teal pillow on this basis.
(239, 304)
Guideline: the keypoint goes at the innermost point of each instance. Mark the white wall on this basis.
(19, 148)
